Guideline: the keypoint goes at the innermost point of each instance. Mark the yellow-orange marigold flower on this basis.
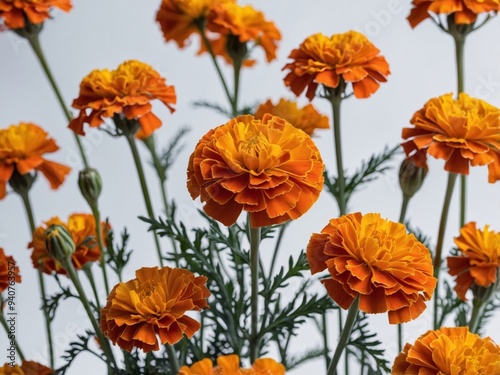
(306, 118)
(479, 261)
(154, 304)
(265, 167)
(22, 150)
(347, 57)
(9, 271)
(230, 365)
(228, 19)
(127, 90)
(449, 351)
(178, 18)
(464, 11)
(14, 12)
(82, 230)
(376, 260)
(463, 131)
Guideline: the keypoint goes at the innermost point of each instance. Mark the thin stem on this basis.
(35, 45)
(402, 216)
(144, 187)
(452, 177)
(29, 212)
(13, 338)
(344, 337)
(68, 266)
(254, 269)
(336, 101)
(100, 243)
(172, 357)
(324, 333)
(277, 247)
(90, 277)
(234, 102)
(478, 307)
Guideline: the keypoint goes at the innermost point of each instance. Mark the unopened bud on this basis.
(411, 177)
(90, 184)
(58, 242)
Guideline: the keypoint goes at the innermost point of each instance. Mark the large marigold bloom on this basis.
(464, 11)
(9, 271)
(376, 260)
(22, 150)
(228, 19)
(230, 365)
(82, 229)
(265, 167)
(463, 131)
(479, 261)
(15, 12)
(306, 118)
(127, 90)
(449, 351)
(348, 57)
(154, 304)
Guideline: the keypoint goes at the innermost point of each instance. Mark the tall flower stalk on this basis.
(254, 299)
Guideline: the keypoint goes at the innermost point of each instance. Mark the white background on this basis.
(102, 34)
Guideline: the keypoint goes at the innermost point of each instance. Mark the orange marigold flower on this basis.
(9, 271)
(449, 351)
(230, 364)
(178, 19)
(464, 11)
(128, 90)
(334, 61)
(82, 230)
(306, 118)
(479, 261)
(154, 304)
(461, 131)
(229, 20)
(22, 148)
(265, 167)
(376, 260)
(15, 12)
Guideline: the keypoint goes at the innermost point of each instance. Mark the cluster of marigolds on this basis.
(267, 165)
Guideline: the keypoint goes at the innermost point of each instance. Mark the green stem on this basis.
(172, 357)
(336, 101)
(29, 212)
(324, 334)
(90, 277)
(277, 248)
(100, 242)
(459, 58)
(210, 50)
(234, 102)
(35, 45)
(4, 324)
(402, 216)
(68, 266)
(344, 337)
(452, 177)
(144, 187)
(477, 311)
(254, 269)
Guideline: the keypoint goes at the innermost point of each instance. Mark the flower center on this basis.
(255, 145)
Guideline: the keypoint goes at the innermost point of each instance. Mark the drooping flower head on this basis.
(152, 306)
(465, 12)
(376, 260)
(179, 19)
(232, 26)
(480, 259)
(334, 61)
(463, 132)
(449, 351)
(82, 229)
(306, 118)
(22, 150)
(126, 91)
(9, 271)
(16, 12)
(265, 167)
(230, 364)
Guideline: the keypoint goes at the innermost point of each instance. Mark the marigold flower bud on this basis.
(411, 177)
(21, 183)
(90, 184)
(58, 242)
